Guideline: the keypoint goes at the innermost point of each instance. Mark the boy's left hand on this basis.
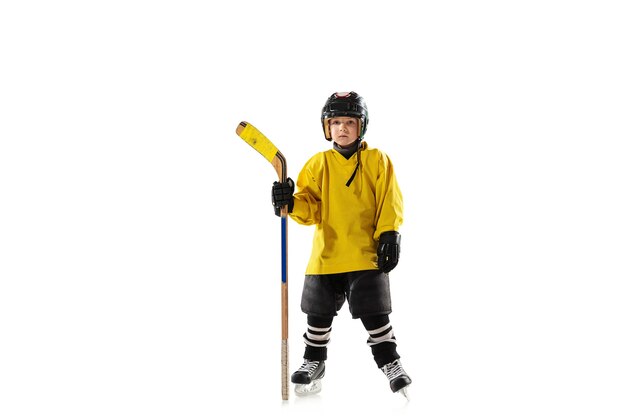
(388, 250)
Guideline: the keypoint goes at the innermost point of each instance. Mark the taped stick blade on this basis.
(257, 140)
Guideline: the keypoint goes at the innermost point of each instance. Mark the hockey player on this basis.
(351, 195)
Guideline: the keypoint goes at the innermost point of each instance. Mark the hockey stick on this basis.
(258, 141)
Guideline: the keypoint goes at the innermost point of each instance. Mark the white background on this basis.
(139, 254)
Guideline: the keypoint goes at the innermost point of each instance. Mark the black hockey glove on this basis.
(282, 194)
(388, 251)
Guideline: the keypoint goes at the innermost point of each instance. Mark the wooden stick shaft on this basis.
(284, 298)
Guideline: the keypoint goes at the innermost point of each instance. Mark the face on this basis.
(344, 130)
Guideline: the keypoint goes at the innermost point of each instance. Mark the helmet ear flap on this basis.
(326, 126)
(362, 126)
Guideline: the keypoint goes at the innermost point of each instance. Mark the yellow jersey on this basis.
(348, 219)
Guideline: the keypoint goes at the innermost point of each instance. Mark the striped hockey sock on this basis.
(380, 335)
(381, 339)
(317, 337)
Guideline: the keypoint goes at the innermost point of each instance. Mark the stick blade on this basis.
(253, 137)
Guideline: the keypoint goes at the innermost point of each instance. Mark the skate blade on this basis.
(302, 390)
(404, 391)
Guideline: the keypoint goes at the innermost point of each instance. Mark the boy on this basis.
(351, 195)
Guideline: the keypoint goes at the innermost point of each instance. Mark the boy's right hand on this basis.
(282, 194)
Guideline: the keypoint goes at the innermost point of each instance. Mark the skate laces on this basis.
(393, 370)
(309, 366)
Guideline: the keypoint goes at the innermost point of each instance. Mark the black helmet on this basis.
(347, 105)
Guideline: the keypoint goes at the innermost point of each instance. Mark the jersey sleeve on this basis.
(389, 204)
(307, 198)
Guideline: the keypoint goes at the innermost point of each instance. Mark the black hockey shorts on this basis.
(367, 293)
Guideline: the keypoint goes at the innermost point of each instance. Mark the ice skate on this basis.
(398, 378)
(308, 377)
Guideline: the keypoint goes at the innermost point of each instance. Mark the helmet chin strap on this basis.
(358, 161)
